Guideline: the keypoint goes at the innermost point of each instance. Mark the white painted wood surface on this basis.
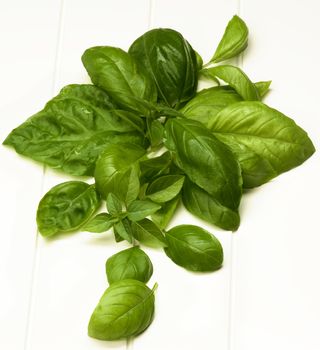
(267, 294)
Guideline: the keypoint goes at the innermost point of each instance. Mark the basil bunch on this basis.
(151, 141)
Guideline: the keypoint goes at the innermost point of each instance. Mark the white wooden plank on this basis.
(28, 41)
(276, 286)
(192, 310)
(70, 273)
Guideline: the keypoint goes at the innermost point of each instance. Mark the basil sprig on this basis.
(152, 141)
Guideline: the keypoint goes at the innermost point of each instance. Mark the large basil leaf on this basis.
(132, 263)
(74, 128)
(205, 160)
(116, 72)
(117, 171)
(156, 166)
(148, 233)
(208, 102)
(171, 63)
(233, 42)
(237, 79)
(194, 248)
(66, 207)
(163, 216)
(100, 223)
(125, 309)
(138, 210)
(266, 142)
(165, 188)
(200, 203)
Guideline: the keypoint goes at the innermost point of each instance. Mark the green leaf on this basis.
(209, 102)
(205, 160)
(163, 216)
(148, 233)
(74, 129)
(116, 72)
(100, 223)
(117, 171)
(263, 87)
(201, 204)
(117, 237)
(126, 309)
(194, 248)
(266, 142)
(237, 79)
(156, 133)
(138, 210)
(114, 205)
(124, 230)
(233, 42)
(66, 207)
(132, 263)
(154, 167)
(199, 60)
(165, 188)
(171, 63)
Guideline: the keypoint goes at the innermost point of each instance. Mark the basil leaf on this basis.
(124, 230)
(233, 42)
(117, 171)
(132, 263)
(266, 142)
(171, 63)
(194, 248)
(116, 72)
(73, 129)
(114, 204)
(126, 309)
(148, 233)
(66, 207)
(263, 87)
(201, 204)
(208, 102)
(156, 133)
(165, 188)
(163, 216)
(199, 60)
(205, 160)
(100, 223)
(117, 237)
(138, 210)
(156, 166)
(237, 79)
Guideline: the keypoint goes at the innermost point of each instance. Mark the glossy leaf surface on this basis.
(165, 188)
(100, 223)
(125, 309)
(66, 207)
(148, 233)
(194, 248)
(139, 209)
(163, 216)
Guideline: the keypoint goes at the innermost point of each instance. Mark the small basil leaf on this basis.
(117, 237)
(124, 230)
(116, 72)
(205, 74)
(138, 210)
(171, 63)
(266, 142)
(201, 204)
(153, 167)
(74, 129)
(148, 233)
(114, 204)
(163, 216)
(205, 160)
(132, 263)
(233, 42)
(156, 133)
(126, 309)
(263, 87)
(194, 248)
(199, 60)
(165, 188)
(100, 223)
(237, 79)
(117, 171)
(66, 207)
(165, 111)
(209, 102)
